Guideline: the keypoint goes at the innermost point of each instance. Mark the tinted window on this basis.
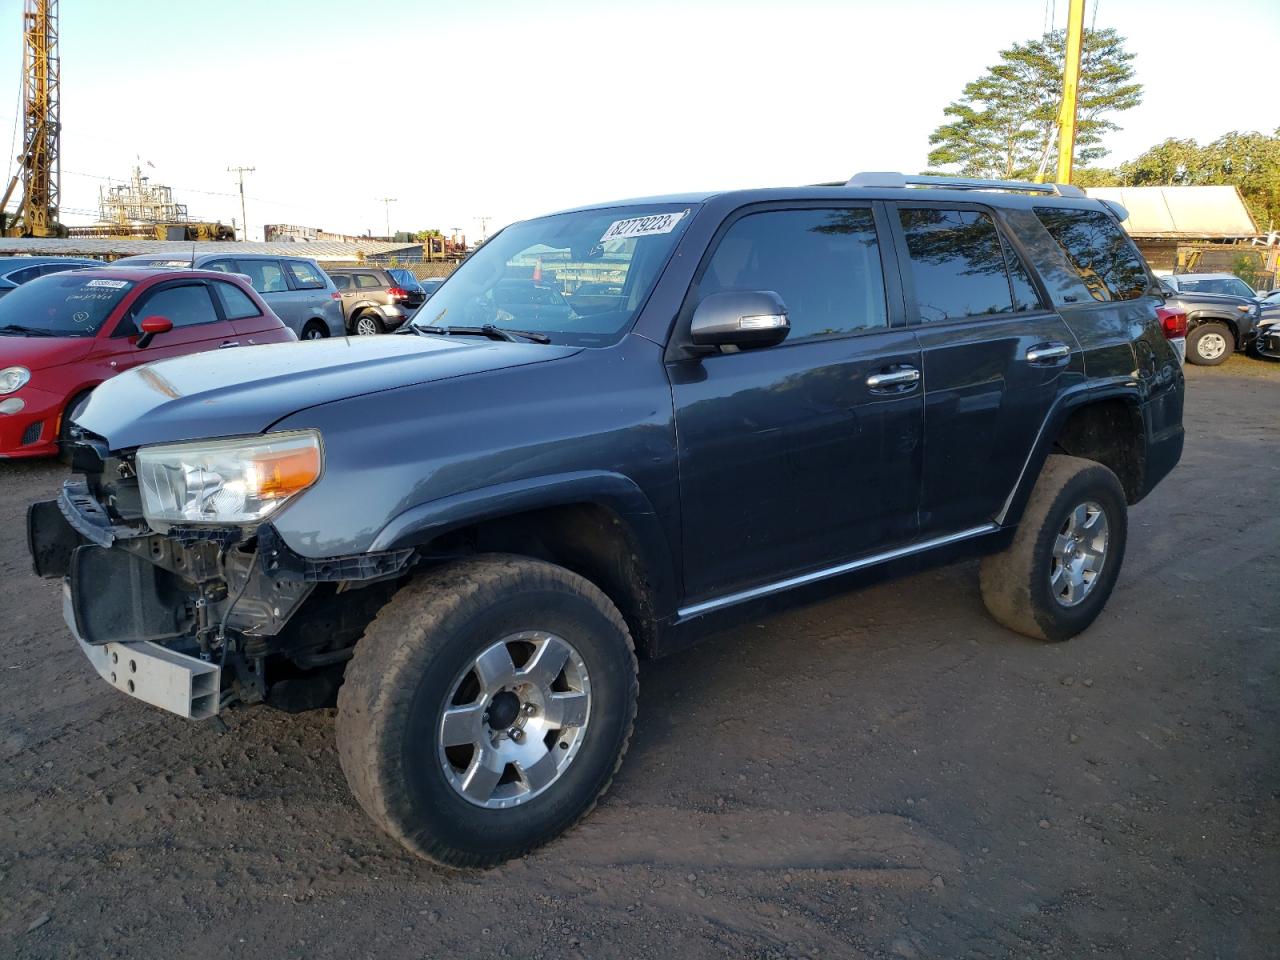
(222, 266)
(366, 281)
(1025, 296)
(825, 264)
(49, 268)
(65, 304)
(341, 281)
(1232, 286)
(1100, 251)
(236, 304)
(185, 306)
(957, 262)
(265, 276)
(305, 276)
(25, 274)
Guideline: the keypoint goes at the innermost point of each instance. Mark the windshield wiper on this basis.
(487, 330)
(28, 331)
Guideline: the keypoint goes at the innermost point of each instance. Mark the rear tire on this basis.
(1055, 577)
(368, 325)
(314, 330)
(1210, 344)
(441, 689)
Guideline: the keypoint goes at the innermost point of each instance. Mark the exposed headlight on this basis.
(11, 378)
(226, 481)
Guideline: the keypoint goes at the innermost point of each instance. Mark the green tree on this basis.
(422, 236)
(1005, 122)
(1249, 161)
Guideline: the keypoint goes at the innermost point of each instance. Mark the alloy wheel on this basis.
(1079, 552)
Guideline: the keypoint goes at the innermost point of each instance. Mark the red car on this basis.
(62, 335)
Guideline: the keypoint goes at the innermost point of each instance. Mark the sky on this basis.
(504, 110)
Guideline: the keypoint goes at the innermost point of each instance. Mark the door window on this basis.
(367, 281)
(265, 276)
(305, 276)
(221, 266)
(1101, 253)
(185, 306)
(957, 261)
(824, 263)
(236, 304)
(1025, 295)
(341, 281)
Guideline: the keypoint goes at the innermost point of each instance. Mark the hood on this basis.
(245, 390)
(40, 353)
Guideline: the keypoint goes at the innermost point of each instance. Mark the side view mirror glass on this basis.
(150, 327)
(740, 318)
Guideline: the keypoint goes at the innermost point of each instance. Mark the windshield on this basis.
(1228, 285)
(578, 278)
(61, 305)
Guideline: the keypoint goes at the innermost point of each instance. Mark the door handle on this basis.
(228, 343)
(1048, 353)
(896, 380)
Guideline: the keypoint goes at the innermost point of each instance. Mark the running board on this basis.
(768, 589)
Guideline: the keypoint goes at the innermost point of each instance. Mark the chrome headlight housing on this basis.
(13, 378)
(226, 481)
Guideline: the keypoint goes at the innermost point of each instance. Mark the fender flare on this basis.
(1212, 316)
(1071, 400)
(424, 522)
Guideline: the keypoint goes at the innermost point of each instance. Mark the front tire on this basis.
(487, 708)
(1210, 344)
(1055, 577)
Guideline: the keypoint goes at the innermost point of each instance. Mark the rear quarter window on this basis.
(305, 276)
(1100, 252)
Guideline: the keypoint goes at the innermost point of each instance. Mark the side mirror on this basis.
(151, 326)
(740, 318)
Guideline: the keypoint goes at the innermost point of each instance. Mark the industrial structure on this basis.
(39, 172)
(139, 208)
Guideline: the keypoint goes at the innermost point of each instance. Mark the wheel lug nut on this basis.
(529, 709)
(516, 734)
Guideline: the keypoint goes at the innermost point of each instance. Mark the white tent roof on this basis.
(1182, 213)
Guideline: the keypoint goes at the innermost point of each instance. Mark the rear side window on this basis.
(236, 304)
(1025, 296)
(221, 266)
(341, 281)
(305, 276)
(1099, 250)
(367, 281)
(265, 276)
(185, 306)
(825, 264)
(957, 262)
(25, 274)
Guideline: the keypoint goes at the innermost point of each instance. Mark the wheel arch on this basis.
(1104, 424)
(598, 524)
(1199, 318)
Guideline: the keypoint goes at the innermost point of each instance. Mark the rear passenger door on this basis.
(797, 457)
(310, 294)
(267, 278)
(994, 359)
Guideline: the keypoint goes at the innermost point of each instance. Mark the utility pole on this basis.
(484, 228)
(1070, 88)
(244, 220)
(386, 205)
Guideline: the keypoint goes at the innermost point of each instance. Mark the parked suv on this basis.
(299, 292)
(1217, 324)
(15, 271)
(373, 300)
(477, 526)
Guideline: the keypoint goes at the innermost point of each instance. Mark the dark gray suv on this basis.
(477, 525)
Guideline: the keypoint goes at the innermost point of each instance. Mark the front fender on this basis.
(424, 522)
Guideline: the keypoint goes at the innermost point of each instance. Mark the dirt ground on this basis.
(889, 774)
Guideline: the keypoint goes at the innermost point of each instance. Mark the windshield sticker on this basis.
(642, 226)
(112, 284)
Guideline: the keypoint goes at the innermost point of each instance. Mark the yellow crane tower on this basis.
(38, 166)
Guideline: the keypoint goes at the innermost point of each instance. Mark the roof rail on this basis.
(899, 180)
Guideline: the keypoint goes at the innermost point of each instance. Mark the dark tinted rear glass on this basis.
(62, 304)
(957, 263)
(1100, 251)
(1025, 296)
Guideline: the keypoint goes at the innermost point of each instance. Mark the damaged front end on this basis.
(193, 615)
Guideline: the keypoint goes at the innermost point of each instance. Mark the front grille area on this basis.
(32, 433)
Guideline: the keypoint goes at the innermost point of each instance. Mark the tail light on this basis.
(1172, 322)
(335, 295)
(397, 293)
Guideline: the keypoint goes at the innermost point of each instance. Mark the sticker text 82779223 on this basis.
(643, 226)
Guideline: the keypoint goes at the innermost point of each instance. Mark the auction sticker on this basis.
(112, 284)
(643, 226)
